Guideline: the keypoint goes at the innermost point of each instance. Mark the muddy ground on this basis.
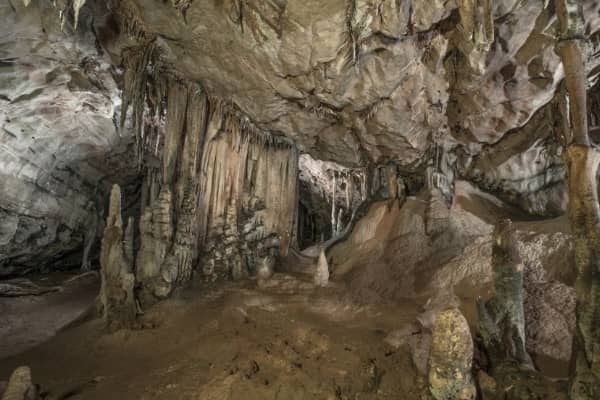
(229, 341)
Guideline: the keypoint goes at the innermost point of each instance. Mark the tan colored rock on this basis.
(20, 386)
(116, 292)
(321, 277)
(451, 357)
(488, 386)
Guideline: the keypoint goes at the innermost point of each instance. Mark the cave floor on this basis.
(28, 321)
(288, 340)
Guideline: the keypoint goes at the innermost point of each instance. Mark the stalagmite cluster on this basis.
(249, 196)
(218, 195)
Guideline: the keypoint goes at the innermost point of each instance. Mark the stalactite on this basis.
(333, 215)
(131, 22)
(246, 167)
(175, 124)
(348, 188)
(476, 22)
(338, 223)
(135, 61)
(77, 5)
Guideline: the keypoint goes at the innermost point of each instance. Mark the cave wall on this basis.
(249, 197)
(219, 195)
(58, 142)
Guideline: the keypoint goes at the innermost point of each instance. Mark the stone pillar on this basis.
(502, 320)
(451, 358)
(116, 293)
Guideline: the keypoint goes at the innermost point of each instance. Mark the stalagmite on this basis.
(321, 277)
(135, 61)
(116, 293)
(450, 358)
(502, 320)
(20, 386)
(581, 161)
(265, 268)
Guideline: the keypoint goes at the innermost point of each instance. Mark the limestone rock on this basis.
(265, 268)
(321, 277)
(502, 318)
(58, 142)
(373, 79)
(488, 386)
(20, 386)
(116, 293)
(451, 357)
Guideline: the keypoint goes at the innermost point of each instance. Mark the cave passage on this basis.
(299, 199)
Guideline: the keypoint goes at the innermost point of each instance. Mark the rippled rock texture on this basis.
(58, 141)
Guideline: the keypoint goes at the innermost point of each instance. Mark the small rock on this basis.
(321, 277)
(19, 386)
(487, 384)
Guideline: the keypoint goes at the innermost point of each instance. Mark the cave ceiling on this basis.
(368, 81)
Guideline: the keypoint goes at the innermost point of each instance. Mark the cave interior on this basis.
(285, 199)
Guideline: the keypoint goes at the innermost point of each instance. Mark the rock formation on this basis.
(321, 277)
(581, 161)
(20, 386)
(54, 166)
(382, 142)
(450, 358)
(502, 320)
(116, 294)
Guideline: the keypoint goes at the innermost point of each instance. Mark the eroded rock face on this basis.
(391, 255)
(57, 136)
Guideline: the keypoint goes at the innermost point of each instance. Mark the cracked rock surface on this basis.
(57, 136)
(368, 80)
